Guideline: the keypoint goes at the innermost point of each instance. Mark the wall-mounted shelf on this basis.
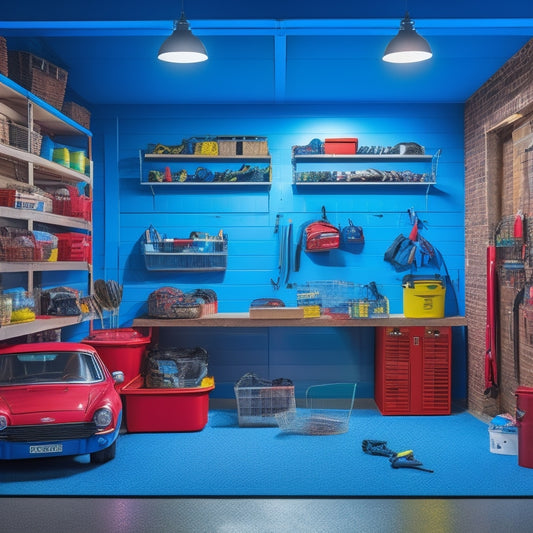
(43, 266)
(220, 171)
(378, 170)
(37, 325)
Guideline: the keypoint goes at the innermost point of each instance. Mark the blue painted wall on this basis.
(123, 209)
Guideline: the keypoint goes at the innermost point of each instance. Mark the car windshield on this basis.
(49, 367)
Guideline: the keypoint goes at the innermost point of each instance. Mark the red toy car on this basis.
(57, 398)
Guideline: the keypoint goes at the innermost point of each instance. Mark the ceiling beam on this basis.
(339, 27)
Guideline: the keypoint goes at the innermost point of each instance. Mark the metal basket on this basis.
(327, 412)
(260, 400)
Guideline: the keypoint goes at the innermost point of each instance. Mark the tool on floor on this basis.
(405, 459)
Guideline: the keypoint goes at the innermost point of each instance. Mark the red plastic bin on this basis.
(73, 205)
(165, 410)
(524, 421)
(120, 349)
(74, 247)
(346, 145)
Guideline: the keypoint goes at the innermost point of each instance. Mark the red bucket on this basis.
(120, 350)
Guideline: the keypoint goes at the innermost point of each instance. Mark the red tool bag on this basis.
(321, 236)
(317, 236)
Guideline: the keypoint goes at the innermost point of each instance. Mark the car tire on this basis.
(104, 455)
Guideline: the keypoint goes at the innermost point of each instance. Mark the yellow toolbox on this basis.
(423, 298)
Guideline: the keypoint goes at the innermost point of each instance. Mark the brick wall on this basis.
(492, 190)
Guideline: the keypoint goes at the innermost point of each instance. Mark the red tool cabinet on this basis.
(413, 370)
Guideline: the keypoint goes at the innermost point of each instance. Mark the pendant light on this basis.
(182, 46)
(407, 46)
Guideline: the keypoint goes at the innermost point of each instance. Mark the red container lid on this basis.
(524, 390)
(127, 336)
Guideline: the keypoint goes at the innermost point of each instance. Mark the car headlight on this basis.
(3, 422)
(103, 417)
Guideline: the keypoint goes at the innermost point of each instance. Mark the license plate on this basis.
(46, 448)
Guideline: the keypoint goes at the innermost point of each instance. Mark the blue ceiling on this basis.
(269, 52)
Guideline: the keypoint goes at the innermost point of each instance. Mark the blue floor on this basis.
(226, 460)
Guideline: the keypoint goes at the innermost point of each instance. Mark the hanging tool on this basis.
(288, 252)
(405, 459)
(491, 362)
(276, 284)
(519, 298)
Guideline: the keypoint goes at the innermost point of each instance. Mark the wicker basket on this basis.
(232, 146)
(77, 113)
(18, 137)
(4, 129)
(39, 76)
(3, 57)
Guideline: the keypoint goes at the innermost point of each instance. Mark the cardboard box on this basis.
(346, 145)
(277, 312)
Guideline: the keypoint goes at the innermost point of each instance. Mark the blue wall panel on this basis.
(124, 209)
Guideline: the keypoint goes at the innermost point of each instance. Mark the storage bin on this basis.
(22, 138)
(77, 161)
(18, 245)
(39, 76)
(423, 298)
(77, 113)
(74, 247)
(233, 146)
(67, 201)
(22, 200)
(203, 255)
(3, 57)
(341, 146)
(165, 410)
(503, 441)
(259, 400)
(120, 349)
(328, 408)
(47, 243)
(61, 156)
(6, 308)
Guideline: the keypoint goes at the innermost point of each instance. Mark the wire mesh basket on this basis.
(342, 300)
(18, 245)
(327, 412)
(259, 400)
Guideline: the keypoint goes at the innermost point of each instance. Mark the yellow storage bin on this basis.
(61, 156)
(77, 161)
(423, 298)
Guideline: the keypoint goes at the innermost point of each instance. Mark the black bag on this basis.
(175, 367)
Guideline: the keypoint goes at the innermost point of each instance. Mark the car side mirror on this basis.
(118, 376)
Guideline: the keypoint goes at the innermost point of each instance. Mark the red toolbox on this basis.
(347, 145)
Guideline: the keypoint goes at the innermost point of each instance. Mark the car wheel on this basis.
(104, 455)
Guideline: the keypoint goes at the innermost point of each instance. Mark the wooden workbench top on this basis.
(243, 320)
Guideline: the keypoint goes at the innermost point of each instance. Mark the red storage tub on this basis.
(165, 410)
(74, 247)
(347, 145)
(120, 349)
(524, 421)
